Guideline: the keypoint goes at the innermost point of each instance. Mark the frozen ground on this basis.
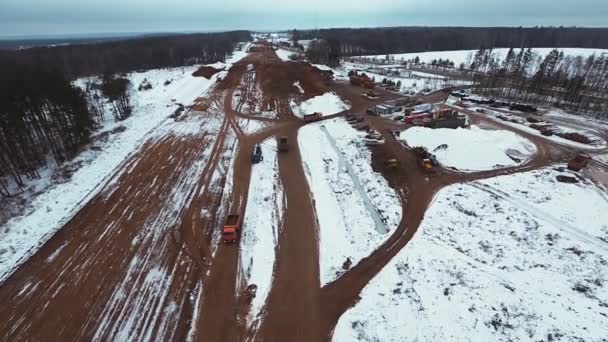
(52, 203)
(356, 208)
(261, 227)
(326, 104)
(514, 258)
(462, 56)
(471, 149)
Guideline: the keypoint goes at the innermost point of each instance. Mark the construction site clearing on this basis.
(295, 227)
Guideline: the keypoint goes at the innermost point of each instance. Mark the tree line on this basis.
(43, 114)
(345, 42)
(133, 54)
(573, 82)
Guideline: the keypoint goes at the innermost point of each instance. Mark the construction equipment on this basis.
(256, 155)
(231, 228)
(426, 160)
(579, 162)
(312, 117)
(283, 144)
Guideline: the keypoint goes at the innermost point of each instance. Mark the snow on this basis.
(348, 194)
(297, 85)
(462, 56)
(514, 258)
(471, 149)
(57, 203)
(326, 104)
(284, 54)
(260, 229)
(323, 67)
(597, 142)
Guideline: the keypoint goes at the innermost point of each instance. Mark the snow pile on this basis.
(490, 266)
(261, 226)
(356, 209)
(471, 149)
(326, 104)
(57, 203)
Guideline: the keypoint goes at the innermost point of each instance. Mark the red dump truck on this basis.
(579, 162)
(231, 228)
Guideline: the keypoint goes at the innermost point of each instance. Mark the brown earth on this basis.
(143, 261)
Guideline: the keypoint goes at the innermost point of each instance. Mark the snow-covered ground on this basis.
(416, 83)
(463, 56)
(326, 104)
(514, 258)
(356, 208)
(521, 123)
(471, 149)
(284, 54)
(261, 228)
(52, 204)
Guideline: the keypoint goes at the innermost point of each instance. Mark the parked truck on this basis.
(312, 117)
(283, 144)
(579, 162)
(231, 228)
(256, 155)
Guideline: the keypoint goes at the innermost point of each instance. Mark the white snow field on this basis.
(462, 56)
(263, 216)
(356, 208)
(326, 104)
(471, 149)
(514, 258)
(54, 204)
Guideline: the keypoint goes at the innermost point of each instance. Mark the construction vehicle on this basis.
(312, 117)
(231, 228)
(256, 155)
(426, 160)
(579, 162)
(283, 144)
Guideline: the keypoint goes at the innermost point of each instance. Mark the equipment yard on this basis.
(277, 207)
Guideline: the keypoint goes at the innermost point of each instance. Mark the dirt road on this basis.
(143, 260)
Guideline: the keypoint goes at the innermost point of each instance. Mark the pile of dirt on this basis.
(206, 72)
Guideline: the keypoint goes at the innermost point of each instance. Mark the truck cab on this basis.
(256, 155)
(231, 229)
(283, 144)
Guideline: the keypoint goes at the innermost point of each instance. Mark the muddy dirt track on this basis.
(143, 259)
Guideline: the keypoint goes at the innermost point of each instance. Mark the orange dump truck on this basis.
(231, 228)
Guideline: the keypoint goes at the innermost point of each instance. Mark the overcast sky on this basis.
(66, 17)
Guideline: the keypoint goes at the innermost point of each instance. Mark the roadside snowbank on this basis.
(356, 209)
(472, 149)
(327, 104)
(55, 204)
(261, 226)
(495, 265)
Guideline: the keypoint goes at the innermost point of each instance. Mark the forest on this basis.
(377, 41)
(572, 82)
(45, 118)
